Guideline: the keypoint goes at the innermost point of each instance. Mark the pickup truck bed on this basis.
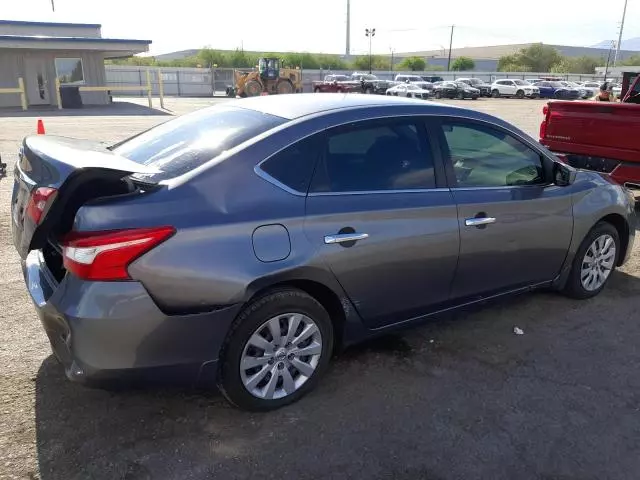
(599, 136)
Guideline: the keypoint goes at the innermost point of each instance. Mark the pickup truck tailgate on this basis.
(608, 130)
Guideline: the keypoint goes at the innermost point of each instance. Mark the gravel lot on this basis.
(459, 398)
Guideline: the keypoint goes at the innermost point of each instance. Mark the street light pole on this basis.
(370, 33)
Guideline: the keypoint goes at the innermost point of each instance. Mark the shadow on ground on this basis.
(113, 109)
(459, 397)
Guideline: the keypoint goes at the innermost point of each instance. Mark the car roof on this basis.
(298, 105)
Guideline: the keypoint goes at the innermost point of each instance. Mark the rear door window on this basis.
(181, 145)
(375, 156)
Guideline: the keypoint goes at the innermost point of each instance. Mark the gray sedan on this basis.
(245, 243)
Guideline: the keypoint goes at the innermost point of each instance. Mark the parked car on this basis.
(459, 90)
(510, 87)
(371, 84)
(244, 259)
(592, 87)
(584, 92)
(408, 90)
(485, 88)
(415, 80)
(336, 84)
(432, 78)
(557, 90)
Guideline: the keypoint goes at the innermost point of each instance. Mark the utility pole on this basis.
(624, 14)
(450, 45)
(53, 6)
(392, 52)
(606, 68)
(370, 32)
(348, 49)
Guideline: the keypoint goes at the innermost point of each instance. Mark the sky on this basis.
(319, 25)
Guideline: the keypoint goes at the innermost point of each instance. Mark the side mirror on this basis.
(563, 174)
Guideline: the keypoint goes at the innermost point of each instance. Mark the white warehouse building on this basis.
(73, 53)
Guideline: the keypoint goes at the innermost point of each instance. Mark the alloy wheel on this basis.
(280, 356)
(598, 263)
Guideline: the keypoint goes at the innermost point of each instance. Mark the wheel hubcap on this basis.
(280, 356)
(598, 262)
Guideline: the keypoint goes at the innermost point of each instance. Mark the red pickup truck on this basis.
(336, 84)
(599, 136)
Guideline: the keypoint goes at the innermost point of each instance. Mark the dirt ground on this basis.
(458, 398)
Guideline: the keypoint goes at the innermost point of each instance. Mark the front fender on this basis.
(595, 197)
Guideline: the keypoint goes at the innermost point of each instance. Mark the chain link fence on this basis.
(207, 82)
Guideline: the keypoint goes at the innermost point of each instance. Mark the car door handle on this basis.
(479, 221)
(345, 237)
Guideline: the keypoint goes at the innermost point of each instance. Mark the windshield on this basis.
(556, 84)
(178, 146)
(369, 77)
(412, 87)
(340, 78)
(462, 84)
(521, 82)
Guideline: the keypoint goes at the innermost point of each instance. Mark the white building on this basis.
(41, 52)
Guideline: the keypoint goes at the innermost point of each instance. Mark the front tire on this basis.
(276, 351)
(460, 96)
(594, 262)
(438, 95)
(520, 94)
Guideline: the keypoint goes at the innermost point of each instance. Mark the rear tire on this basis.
(460, 96)
(576, 286)
(316, 90)
(255, 320)
(438, 95)
(369, 91)
(495, 93)
(284, 87)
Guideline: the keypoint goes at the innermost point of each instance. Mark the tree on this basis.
(576, 65)
(209, 57)
(415, 64)
(632, 61)
(463, 64)
(535, 58)
(239, 59)
(332, 62)
(378, 62)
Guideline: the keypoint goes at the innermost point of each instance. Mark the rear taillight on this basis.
(39, 202)
(543, 125)
(105, 256)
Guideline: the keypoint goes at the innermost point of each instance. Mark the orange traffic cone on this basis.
(40, 128)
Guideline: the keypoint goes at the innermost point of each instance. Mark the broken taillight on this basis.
(105, 256)
(40, 200)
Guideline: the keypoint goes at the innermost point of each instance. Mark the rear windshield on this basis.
(180, 145)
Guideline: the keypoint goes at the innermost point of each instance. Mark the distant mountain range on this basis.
(628, 44)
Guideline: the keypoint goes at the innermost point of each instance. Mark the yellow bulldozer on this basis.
(270, 78)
